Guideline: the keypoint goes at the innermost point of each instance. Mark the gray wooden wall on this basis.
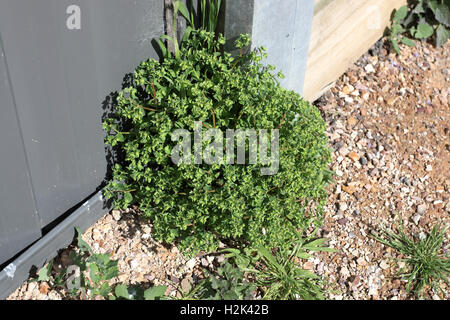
(54, 82)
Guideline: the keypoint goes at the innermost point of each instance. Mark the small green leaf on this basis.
(395, 46)
(120, 137)
(442, 35)
(266, 254)
(163, 48)
(84, 247)
(184, 11)
(424, 30)
(44, 274)
(94, 272)
(121, 291)
(128, 197)
(408, 42)
(397, 29)
(400, 14)
(105, 289)
(154, 292)
(442, 13)
(306, 274)
(303, 255)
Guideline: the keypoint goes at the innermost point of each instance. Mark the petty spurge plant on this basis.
(427, 259)
(199, 204)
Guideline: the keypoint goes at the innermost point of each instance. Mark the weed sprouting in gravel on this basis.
(427, 262)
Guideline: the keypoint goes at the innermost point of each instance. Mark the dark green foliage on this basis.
(427, 259)
(197, 205)
(421, 19)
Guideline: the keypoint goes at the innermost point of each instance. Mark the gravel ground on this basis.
(388, 124)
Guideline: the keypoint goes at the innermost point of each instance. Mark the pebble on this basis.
(354, 156)
(421, 209)
(191, 264)
(185, 285)
(384, 265)
(349, 189)
(134, 264)
(343, 206)
(204, 262)
(369, 68)
(363, 160)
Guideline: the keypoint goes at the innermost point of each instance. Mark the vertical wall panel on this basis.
(284, 28)
(19, 223)
(60, 78)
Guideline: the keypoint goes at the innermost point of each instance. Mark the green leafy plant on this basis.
(228, 283)
(421, 19)
(427, 259)
(96, 271)
(197, 205)
(277, 272)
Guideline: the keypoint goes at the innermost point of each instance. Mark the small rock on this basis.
(384, 265)
(421, 209)
(185, 285)
(361, 261)
(343, 206)
(116, 215)
(363, 161)
(308, 266)
(205, 262)
(346, 90)
(191, 264)
(352, 121)
(44, 287)
(396, 283)
(349, 189)
(356, 281)
(174, 279)
(343, 221)
(149, 277)
(221, 258)
(133, 264)
(344, 272)
(369, 68)
(423, 221)
(354, 156)
(31, 287)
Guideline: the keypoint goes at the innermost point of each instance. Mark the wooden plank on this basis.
(342, 31)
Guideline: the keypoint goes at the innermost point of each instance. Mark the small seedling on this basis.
(93, 280)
